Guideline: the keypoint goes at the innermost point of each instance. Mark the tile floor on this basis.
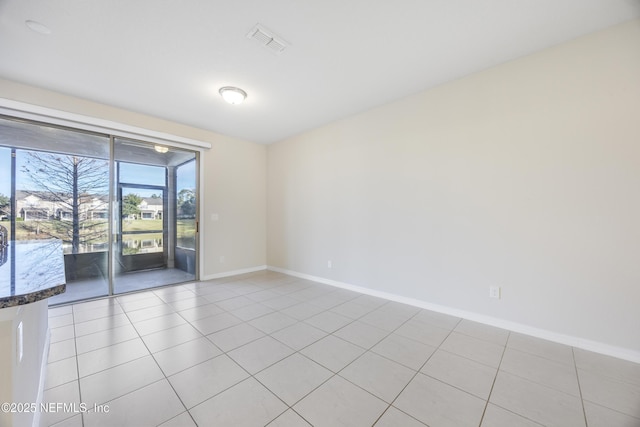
(270, 349)
(134, 281)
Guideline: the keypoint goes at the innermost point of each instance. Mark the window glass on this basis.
(5, 187)
(186, 205)
(142, 174)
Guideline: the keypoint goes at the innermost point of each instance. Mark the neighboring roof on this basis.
(155, 201)
(46, 195)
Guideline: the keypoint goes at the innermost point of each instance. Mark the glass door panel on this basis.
(186, 224)
(142, 224)
(57, 180)
(153, 219)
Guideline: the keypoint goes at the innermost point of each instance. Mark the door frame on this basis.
(140, 262)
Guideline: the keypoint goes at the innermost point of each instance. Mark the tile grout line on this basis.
(158, 365)
(575, 367)
(120, 364)
(75, 344)
(419, 369)
(506, 345)
(493, 383)
(414, 375)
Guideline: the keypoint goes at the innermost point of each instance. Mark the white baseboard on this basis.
(234, 272)
(585, 344)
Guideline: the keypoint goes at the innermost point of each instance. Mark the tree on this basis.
(72, 182)
(187, 203)
(5, 204)
(130, 204)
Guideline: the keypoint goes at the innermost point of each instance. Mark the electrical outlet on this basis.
(329, 264)
(222, 259)
(494, 292)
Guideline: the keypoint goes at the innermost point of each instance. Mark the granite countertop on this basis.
(30, 271)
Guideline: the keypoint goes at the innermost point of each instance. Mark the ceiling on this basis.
(168, 58)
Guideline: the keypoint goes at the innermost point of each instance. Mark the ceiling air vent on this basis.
(267, 39)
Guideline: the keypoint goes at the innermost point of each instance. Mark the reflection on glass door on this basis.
(54, 185)
(142, 227)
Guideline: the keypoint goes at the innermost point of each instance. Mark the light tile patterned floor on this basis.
(270, 349)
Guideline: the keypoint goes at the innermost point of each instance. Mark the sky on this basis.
(130, 173)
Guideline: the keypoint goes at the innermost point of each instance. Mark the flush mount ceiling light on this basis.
(37, 27)
(160, 149)
(233, 95)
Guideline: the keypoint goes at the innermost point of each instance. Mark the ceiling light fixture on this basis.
(160, 149)
(233, 95)
(37, 27)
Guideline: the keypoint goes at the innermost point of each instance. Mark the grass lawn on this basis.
(142, 225)
(90, 231)
(96, 231)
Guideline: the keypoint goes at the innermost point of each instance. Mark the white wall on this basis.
(234, 179)
(20, 380)
(6, 360)
(524, 176)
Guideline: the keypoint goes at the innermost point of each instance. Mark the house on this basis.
(151, 208)
(42, 205)
(504, 195)
(36, 205)
(90, 208)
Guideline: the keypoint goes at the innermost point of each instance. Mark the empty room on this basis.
(276, 213)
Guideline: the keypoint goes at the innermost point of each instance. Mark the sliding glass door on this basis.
(124, 210)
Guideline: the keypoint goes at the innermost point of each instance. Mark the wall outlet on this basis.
(329, 264)
(494, 292)
(222, 259)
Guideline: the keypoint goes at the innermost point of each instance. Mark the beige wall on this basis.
(235, 191)
(524, 176)
(234, 179)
